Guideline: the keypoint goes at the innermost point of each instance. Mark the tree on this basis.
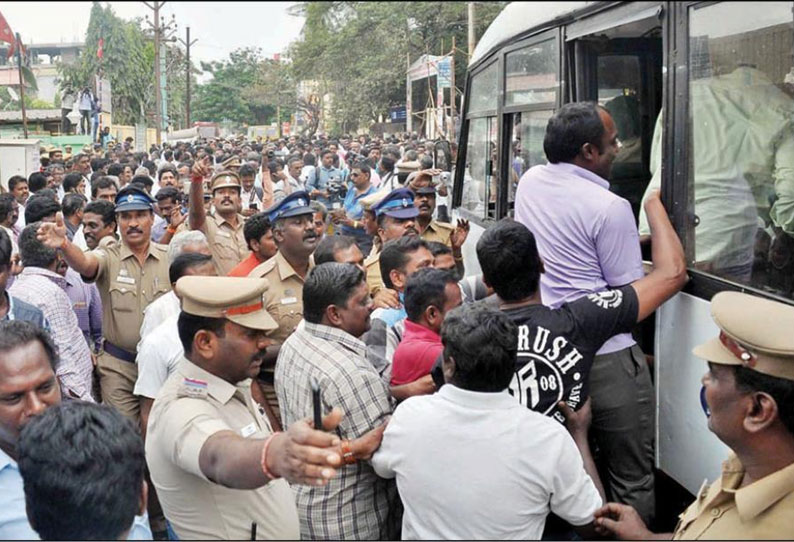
(123, 62)
(357, 51)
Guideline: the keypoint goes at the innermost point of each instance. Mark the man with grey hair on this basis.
(168, 304)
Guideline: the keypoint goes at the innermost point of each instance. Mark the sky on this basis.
(220, 27)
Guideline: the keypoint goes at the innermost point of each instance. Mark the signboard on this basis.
(444, 73)
(398, 114)
(139, 144)
(104, 95)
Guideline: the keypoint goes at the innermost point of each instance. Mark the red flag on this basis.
(6, 34)
(99, 51)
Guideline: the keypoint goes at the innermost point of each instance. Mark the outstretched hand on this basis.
(51, 234)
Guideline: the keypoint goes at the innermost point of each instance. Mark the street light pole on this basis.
(188, 70)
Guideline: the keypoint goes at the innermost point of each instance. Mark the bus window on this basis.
(742, 143)
(482, 96)
(481, 174)
(531, 74)
(526, 146)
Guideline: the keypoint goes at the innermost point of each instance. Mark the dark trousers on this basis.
(623, 405)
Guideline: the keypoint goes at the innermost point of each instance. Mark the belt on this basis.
(115, 351)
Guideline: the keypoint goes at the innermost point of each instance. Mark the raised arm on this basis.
(669, 263)
(53, 235)
(197, 215)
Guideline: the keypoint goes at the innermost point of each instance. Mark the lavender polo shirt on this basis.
(586, 235)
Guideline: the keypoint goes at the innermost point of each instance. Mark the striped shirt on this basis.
(45, 289)
(355, 505)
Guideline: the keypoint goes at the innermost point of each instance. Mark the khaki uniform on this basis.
(284, 299)
(192, 406)
(374, 280)
(227, 243)
(126, 289)
(760, 511)
(438, 232)
(284, 302)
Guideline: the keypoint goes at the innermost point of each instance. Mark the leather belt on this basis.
(115, 351)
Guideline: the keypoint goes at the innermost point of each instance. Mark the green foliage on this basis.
(359, 51)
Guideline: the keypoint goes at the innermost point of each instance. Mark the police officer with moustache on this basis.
(396, 217)
(219, 468)
(224, 230)
(296, 239)
(748, 395)
(442, 232)
(130, 275)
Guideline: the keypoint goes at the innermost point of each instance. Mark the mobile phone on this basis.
(253, 205)
(318, 413)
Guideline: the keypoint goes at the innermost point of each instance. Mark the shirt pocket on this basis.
(123, 298)
(289, 315)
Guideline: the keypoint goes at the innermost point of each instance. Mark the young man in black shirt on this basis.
(556, 347)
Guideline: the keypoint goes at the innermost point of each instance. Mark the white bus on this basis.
(701, 93)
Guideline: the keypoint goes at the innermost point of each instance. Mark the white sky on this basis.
(220, 27)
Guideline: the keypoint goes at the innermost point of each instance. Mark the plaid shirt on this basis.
(45, 289)
(356, 504)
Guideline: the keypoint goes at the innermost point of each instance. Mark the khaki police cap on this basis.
(241, 300)
(754, 332)
(224, 179)
(234, 161)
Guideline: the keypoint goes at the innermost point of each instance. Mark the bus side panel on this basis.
(685, 449)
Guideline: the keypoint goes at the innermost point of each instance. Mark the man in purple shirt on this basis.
(587, 237)
(86, 304)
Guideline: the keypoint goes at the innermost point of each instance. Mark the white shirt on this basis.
(480, 466)
(158, 355)
(79, 239)
(158, 312)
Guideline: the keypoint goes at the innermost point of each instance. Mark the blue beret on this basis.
(399, 203)
(132, 198)
(295, 204)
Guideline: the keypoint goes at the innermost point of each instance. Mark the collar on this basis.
(573, 169)
(421, 332)
(285, 270)
(754, 499)
(221, 390)
(478, 400)
(7, 461)
(335, 334)
(41, 272)
(125, 252)
(219, 220)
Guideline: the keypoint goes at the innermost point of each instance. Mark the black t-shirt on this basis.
(556, 347)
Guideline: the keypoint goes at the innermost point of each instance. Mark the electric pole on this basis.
(471, 29)
(162, 33)
(188, 70)
(21, 86)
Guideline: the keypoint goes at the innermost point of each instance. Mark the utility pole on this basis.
(471, 29)
(453, 92)
(188, 70)
(21, 86)
(162, 32)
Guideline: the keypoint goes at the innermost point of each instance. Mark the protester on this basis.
(259, 236)
(99, 223)
(327, 347)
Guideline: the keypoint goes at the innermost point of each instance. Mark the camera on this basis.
(336, 192)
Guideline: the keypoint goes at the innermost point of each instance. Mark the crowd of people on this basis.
(232, 339)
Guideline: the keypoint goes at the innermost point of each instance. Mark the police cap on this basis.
(239, 299)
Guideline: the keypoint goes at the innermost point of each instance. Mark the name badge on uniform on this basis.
(123, 272)
(222, 233)
(191, 387)
(125, 280)
(288, 300)
(248, 430)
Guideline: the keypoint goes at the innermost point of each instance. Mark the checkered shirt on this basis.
(356, 504)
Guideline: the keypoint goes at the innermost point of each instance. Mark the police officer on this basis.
(396, 217)
(296, 238)
(749, 400)
(214, 459)
(224, 231)
(130, 275)
(441, 232)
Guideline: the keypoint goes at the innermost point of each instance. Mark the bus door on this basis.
(620, 68)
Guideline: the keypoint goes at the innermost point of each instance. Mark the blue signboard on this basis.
(398, 114)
